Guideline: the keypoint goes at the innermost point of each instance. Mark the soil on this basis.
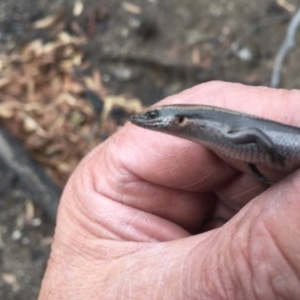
(144, 49)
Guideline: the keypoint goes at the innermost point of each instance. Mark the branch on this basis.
(31, 178)
(286, 46)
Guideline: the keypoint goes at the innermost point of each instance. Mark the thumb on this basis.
(256, 255)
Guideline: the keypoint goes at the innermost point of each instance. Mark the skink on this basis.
(228, 133)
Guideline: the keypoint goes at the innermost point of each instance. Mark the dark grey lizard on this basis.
(231, 134)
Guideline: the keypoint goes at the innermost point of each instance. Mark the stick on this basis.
(31, 178)
(286, 46)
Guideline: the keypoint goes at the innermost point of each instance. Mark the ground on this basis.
(142, 49)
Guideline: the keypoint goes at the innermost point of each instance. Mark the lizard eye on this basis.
(152, 114)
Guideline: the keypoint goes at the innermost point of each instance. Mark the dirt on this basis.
(145, 49)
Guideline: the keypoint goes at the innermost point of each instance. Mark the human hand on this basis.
(134, 218)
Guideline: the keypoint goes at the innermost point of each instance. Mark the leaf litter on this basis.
(54, 101)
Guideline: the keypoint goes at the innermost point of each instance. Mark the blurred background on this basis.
(72, 71)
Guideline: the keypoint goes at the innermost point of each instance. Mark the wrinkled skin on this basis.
(150, 216)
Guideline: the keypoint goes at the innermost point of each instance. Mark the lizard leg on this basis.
(253, 168)
(261, 139)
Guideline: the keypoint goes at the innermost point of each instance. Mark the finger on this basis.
(116, 195)
(166, 161)
(231, 198)
(238, 192)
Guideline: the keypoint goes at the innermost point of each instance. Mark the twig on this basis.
(31, 177)
(286, 46)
